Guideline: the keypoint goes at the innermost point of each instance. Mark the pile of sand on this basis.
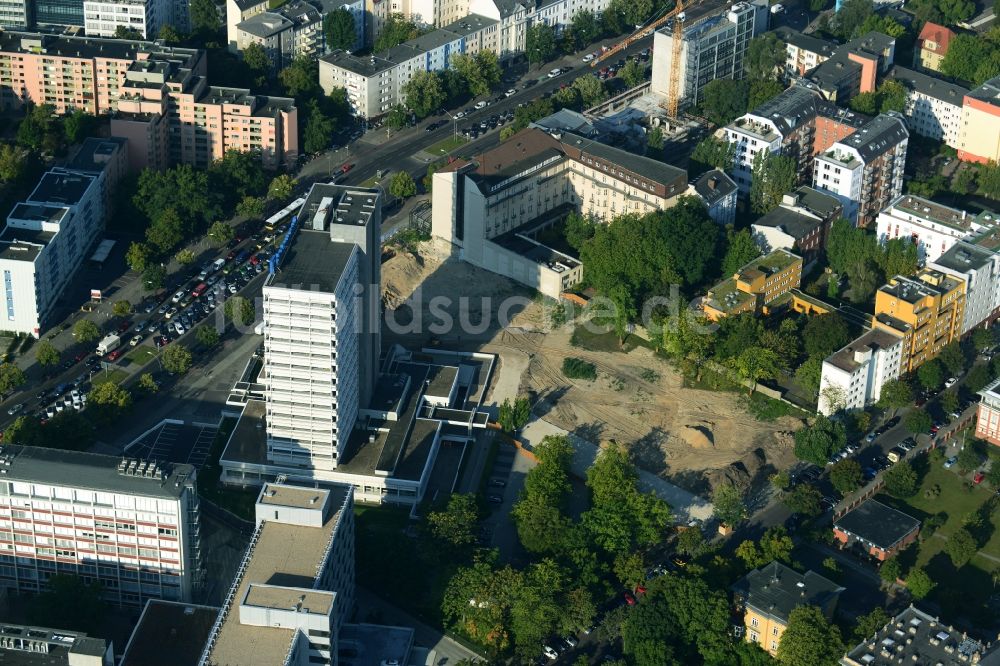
(697, 437)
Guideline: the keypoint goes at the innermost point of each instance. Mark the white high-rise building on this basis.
(320, 345)
(853, 376)
(103, 17)
(131, 525)
(979, 267)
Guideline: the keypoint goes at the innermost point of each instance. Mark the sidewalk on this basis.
(685, 505)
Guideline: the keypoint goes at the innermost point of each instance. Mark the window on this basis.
(774, 631)
(754, 636)
(754, 622)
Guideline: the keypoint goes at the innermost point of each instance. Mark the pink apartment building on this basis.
(158, 96)
(988, 414)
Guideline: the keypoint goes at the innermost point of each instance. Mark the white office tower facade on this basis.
(295, 587)
(321, 343)
(130, 525)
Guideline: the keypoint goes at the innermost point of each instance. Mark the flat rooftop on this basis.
(926, 283)
(962, 257)
(169, 634)
(284, 555)
(930, 211)
(23, 244)
(91, 471)
(94, 154)
(61, 188)
(874, 339)
(62, 646)
(377, 644)
(317, 602)
(304, 498)
(68, 46)
(312, 262)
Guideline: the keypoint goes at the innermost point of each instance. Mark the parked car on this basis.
(629, 599)
(978, 478)
(136, 339)
(950, 462)
(549, 652)
(510, 93)
(115, 355)
(554, 73)
(950, 382)
(498, 483)
(588, 57)
(16, 409)
(495, 499)
(481, 104)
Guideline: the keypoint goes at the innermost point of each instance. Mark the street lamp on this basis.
(454, 121)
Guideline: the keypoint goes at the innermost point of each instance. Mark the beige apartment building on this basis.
(158, 96)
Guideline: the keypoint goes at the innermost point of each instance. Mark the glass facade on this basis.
(59, 12)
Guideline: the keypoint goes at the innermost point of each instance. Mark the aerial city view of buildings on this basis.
(452, 332)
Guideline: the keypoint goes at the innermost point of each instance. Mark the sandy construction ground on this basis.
(690, 436)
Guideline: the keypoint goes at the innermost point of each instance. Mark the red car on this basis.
(347, 167)
(115, 355)
(629, 599)
(978, 478)
(79, 357)
(640, 590)
(124, 326)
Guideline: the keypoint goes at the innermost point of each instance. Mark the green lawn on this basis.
(371, 182)
(445, 146)
(593, 337)
(141, 355)
(117, 376)
(962, 592)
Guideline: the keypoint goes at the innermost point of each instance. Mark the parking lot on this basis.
(175, 442)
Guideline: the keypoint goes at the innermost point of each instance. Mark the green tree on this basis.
(949, 401)
(741, 249)
(338, 28)
(121, 308)
(458, 523)
(540, 43)
(711, 153)
(724, 100)
(281, 188)
(423, 93)
(918, 421)
(765, 57)
(900, 480)
(762, 91)
(851, 16)
(147, 384)
(494, 592)
(892, 96)
(220, 234)
(538, 513)
(809, 375)
(481, 72)
(953, 358)
(884, 24)
(395, 31)
(205, 16)
(107, 402)
(964, 182)
(633, 73)
(591, 89)
(568, 98)
(969, 457)
(654, 141)
(773, 175)
(728, 505)
(239, 310)
(86, 331)
(514, 415)
(38, 129)
(256, 59)
(919, 583)
(804, 499)
(846, 475)
(46, 354)
(899, 257)
(12, 162)
(754, 364)
(169, 35)
(402, 185)
(931, 374)
(584, 27)
(866, 103)
(978, 377)
(964, 55)
(691, 542)
(809, 639)
(896, 394)
(251, 207)
(166, 231)
(176, 359)
(318, 134)
(207, 336)
(819, 441)
(397, 118)
(79, 125)
(185, 257)
(868, 625)
(301, 78)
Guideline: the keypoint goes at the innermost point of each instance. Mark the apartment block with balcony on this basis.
(16, 14)
(131, 525)
(171, 115)
(294, 589)
(804, 52)
(295, 29)
(865, 170)
(714, 46)
(988, 414)
(767, 596)
(933, 106)
(979, 267)
(854, 68)
(797, 123)
(375, 83)
(926, 310)
(934, 227)
(755, 286)
(801, 224)
(852, 377)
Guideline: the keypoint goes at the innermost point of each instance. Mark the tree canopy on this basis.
(339, 30)
(816, 443)
(809, 640)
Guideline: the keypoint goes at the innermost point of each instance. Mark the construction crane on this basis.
(675, 69)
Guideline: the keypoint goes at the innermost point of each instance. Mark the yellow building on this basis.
(926, 310)
(767, 596)
(932, 46)
(753, 287)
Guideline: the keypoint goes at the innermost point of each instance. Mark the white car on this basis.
(170, 313)
(549, 652)
(16, 409)
(950, 382)
(179, 327)
(554, 73)
(588, 57)
(510, 93)
(136, 339)
(178, 296)
(460, 114)
(481, 104)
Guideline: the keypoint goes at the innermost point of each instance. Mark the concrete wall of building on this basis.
(979, 133)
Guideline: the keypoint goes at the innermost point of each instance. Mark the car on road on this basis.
(495, 499)
(178, 296)
(124, 326)
(162, 341)
(978, 478)
(571, 642)
(136, 339)
(344, 168)
(870, 437)
(950, 382)
(510, 93)
(589, 57)
(869, 473)
(170, 313)
(950, 462)
(115, 355)
(498, 483)
(179, 327)
(549, 652)
(433, 126)
(16, 409)
(460, 114)
(554, 73)
(481, 104)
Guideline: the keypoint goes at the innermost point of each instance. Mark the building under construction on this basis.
(714, 43)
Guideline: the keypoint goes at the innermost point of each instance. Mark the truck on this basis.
(110, 343)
